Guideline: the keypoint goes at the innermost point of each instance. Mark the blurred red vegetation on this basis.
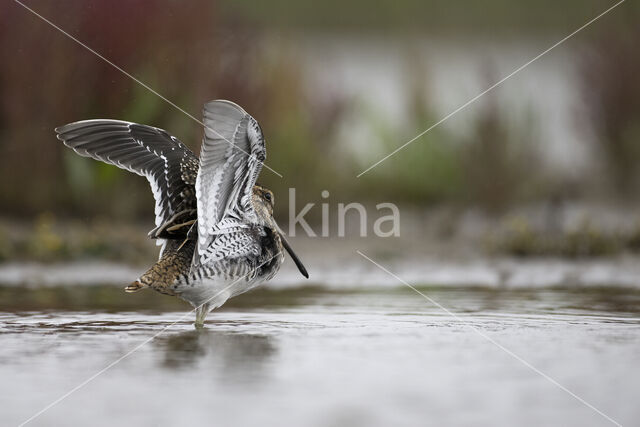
(611, 87)
(47, 80)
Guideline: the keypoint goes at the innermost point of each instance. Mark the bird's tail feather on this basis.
(134, 287)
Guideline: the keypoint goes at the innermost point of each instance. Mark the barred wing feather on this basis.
(169, 166)
(231, 158)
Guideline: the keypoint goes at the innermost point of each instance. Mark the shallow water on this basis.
(318, 357)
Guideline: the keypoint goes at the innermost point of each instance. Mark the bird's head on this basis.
(263, 203)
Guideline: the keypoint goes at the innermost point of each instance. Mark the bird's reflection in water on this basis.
(226, 353)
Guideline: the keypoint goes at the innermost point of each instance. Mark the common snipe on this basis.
(216, 226)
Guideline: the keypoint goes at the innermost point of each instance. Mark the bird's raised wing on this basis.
(231, 158)
(169, 166)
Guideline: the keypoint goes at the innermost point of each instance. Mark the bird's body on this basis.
(216, 226)
(210, 285)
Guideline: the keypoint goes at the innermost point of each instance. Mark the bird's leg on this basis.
(201, 315)
(191, 234)
(179, 226)
(167, 226)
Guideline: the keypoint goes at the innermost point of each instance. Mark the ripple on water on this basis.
(310, 357)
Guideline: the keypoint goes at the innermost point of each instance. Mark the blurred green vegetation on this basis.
(519, 236)
(431, 16)
(197, 51)
(47, 239)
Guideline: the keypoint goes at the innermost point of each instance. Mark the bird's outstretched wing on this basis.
(231, 158)
(167, 163)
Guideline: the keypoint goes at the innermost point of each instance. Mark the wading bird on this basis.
(214, 223)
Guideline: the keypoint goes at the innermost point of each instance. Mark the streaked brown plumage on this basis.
(175, 260)
(216, 226)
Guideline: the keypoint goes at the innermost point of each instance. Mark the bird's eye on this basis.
(267, 197)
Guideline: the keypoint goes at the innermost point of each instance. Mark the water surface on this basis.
(318, 357)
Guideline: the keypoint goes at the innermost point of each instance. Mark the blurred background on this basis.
(520, 214)
(545, 164)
